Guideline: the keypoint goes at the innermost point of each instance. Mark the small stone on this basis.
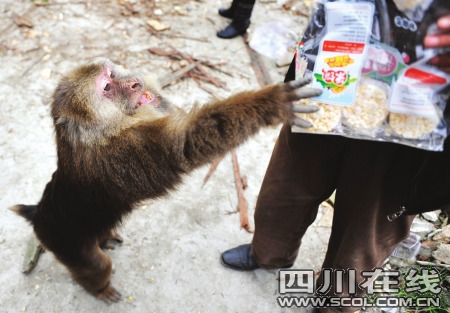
(46, 73)
(184, 63)
(157, 25)
(421, 227)
(430, 216)
(446, 231)
(424, 252)
(180, 10)
(442, 254)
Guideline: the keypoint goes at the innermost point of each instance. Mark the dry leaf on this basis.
(157, 25)
(21, 21)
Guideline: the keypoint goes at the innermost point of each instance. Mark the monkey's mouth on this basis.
(148, 98)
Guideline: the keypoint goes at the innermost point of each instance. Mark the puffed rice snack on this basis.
(412, 126)
(370, 108)
(324, 120)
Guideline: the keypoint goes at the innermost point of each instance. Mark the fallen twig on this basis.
(242, 201)
(212, 169)
(206, 89)
(202, 74)
(8, 47)
(433, 264)
(257, 63)
(127, 9)
(86, 2)
(180, 36)
(165, 81)
(205, 76)
(216, 67)
(33, 64)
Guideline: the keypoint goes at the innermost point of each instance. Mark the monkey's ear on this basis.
(151, 83)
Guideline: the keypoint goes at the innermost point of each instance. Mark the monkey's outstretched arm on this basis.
(215, 128)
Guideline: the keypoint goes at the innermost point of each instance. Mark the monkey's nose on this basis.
(136, 85)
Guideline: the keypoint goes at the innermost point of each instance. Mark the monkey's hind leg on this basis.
(92, 268)
(110, 240)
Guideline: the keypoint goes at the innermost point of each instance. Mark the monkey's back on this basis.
(94, 187)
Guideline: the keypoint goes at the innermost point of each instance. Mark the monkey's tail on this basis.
(26, 211)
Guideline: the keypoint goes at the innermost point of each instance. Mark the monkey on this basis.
(119, 143)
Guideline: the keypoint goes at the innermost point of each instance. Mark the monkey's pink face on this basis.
(120, 86)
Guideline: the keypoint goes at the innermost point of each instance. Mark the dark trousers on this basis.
(303, 172)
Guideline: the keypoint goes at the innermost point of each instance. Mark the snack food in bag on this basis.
(378, 84)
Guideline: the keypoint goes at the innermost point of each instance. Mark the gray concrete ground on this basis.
(169, 261)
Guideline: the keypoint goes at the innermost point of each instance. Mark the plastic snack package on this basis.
(370, 110)
(368, 58)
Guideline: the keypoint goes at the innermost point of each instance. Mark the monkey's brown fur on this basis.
(114, 151)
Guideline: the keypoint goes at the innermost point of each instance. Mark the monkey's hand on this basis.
(295, 92)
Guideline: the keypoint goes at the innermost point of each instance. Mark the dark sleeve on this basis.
(290, 75)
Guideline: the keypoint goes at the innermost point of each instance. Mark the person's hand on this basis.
(441, 40)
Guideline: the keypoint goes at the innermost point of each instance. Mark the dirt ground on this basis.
(169, 261)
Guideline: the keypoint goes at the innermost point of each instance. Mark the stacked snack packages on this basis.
(378, 84)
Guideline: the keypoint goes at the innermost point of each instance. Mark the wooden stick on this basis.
(33, 64)
(212, 169)
(257, 63)
(165, 81)
(432, 264)
(208, 78)
(71, 2)
(242, 201)
(173, 53)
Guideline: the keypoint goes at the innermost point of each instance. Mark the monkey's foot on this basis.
(111, 241)
(109, 294)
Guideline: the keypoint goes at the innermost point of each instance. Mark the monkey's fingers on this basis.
(109, 295)
(303, 93)
(304, 108)
(297, 121)
(294, 84)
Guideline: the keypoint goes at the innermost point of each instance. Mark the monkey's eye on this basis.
(107, 87)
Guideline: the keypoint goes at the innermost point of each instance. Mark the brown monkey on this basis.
(118, 144)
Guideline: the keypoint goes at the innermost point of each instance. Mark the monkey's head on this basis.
(97, 100)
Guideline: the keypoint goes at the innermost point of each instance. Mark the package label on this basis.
(341, 54)
(413, 92)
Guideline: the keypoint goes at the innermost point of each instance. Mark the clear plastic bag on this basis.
(272, 40)
(368, 58)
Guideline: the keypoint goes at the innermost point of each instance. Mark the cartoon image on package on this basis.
(368, 58)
